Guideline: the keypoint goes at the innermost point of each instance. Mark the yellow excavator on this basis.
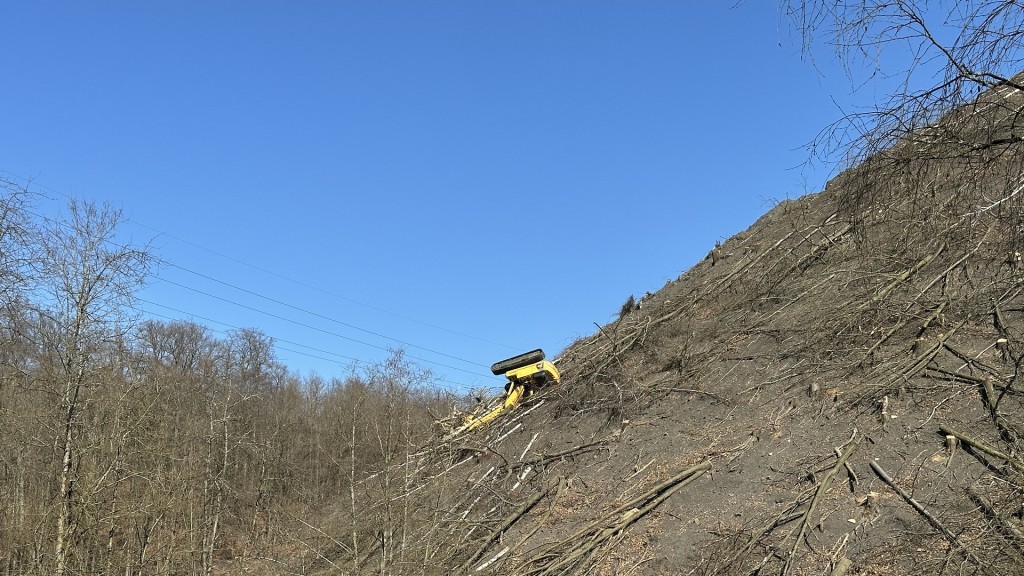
(527, 374)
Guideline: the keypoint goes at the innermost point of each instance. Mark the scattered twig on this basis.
(822, 488)
(507, 522)
(982, 447)
(1001, 521)
(561, 557)
(881, 473)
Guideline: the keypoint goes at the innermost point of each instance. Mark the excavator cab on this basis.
(529, 370)
(526, 373)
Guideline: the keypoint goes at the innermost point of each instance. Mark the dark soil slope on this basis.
(833, 391)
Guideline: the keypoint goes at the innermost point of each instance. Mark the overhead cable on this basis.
(458, 385)
(316, 314)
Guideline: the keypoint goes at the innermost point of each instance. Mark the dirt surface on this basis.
(743, 419)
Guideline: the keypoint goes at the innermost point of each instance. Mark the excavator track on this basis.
(525, 359)
(527, 374)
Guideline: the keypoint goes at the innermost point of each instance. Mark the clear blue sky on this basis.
(472, 178)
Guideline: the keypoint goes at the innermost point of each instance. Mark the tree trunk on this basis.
(64, 519)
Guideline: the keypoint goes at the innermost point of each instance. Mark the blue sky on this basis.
(468, 180)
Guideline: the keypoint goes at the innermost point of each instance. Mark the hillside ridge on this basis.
(832, 391)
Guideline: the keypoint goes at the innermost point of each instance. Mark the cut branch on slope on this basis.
(577, 551)
(823, 487)
(952, 538)
(507, 522)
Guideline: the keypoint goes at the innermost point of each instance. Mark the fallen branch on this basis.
(545, 458)
(888, 334)
(939, 373)
(507, 523)
(1000, 323)
(814, 288)
(614, 356)
(950, 375)
(901, 278)
(578, 548)
(822, 488)
(920, 361)
(982, 447)
(951, 267)
(714, 289)
(1005, 526)
(818, 249)
(881, 473)
(849, 471)
(970, 361)
(537, 526)
(782, 519)
(906, 320)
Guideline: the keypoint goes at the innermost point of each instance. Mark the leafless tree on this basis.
(941, 147)
(88, 280)
(15, 240)
(934, 57)
(161, 448)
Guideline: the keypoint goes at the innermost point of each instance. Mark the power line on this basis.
(233, 327)
(458, 385)
(318, 315)
(282, 303)
(439, 364)
(324, 291)
(309, 326)
(357, 361)
(284, 277)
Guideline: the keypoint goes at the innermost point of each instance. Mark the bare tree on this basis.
(179, 347)
(941, 147)
(16, 459)
(88, 282)
(16, 233)
(938, 57)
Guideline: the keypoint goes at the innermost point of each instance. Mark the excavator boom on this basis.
(526, 373)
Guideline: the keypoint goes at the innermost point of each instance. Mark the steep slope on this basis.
(833, 390)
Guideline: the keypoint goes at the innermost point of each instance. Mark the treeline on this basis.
(158, 448)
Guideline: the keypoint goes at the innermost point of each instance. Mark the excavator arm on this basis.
(526, 373)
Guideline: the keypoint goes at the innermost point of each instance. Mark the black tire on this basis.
(531, 357)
